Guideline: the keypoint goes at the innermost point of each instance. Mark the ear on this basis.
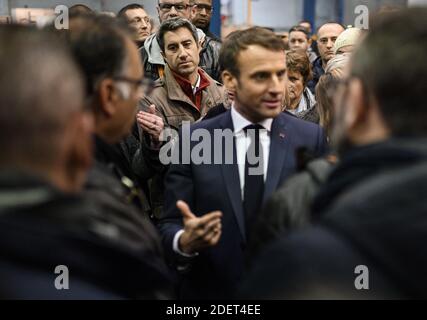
(108, 96)
(79, 154)
(357, 112)
(230, 81)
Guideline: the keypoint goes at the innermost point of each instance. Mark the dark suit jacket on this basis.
(209, 187)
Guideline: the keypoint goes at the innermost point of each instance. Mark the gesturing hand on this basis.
(151, 123)
(199, 233)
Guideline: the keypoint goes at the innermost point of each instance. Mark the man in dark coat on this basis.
(371, 213)
(221, 197)
(54, 243)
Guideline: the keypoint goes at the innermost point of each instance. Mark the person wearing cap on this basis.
(347, 40)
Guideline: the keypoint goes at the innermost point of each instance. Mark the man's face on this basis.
(126, 108)
(298, 41)
(169, 9)
(201, 13)
(181, 52)
(140, 21)
(327, 36)
(295, 86)
(260, 86)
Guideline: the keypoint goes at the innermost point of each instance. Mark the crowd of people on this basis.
(158, 161)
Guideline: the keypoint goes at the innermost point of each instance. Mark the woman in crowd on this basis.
(298, 98)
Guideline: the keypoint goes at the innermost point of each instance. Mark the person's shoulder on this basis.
(288, 118)
(212, 123)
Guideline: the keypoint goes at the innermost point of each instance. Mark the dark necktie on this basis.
(254, 175)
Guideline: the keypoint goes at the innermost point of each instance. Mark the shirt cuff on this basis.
(176, 246)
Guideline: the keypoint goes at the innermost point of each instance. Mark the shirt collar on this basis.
(240, 122)
(196, 87)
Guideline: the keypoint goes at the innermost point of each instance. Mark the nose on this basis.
(173, 12)
(277, 85)
(182, 53)
(204, 12)
(330, 43)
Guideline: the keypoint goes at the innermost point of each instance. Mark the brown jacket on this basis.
(174, 106)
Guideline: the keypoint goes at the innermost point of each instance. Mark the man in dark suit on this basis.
(219, 199)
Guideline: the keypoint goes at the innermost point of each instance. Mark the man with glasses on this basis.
(201, 14)
(153, 61)
(112, 67)
(137, 18)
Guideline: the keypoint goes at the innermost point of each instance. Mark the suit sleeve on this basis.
(178, 186)
(322, 147)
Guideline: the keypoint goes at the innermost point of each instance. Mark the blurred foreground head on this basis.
(104, 49)
(43, 128)
(384, 93)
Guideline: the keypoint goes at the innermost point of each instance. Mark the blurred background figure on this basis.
(201, 15)
(138, 19)
(299, 40)
(79, 9)
(284, 35)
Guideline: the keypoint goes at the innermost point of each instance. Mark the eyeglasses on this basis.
(168, 6)
(145, 85)
(200, 7)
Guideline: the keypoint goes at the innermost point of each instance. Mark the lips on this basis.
(272, 104)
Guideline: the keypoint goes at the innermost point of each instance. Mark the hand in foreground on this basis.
(199, 232)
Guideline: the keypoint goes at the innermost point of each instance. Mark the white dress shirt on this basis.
(243, 142)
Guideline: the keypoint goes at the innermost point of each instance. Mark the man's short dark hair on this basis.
(79, 9)
(99, 47)
(131, 6)
(299, 29)
(391, 63)
(172, 25)
(40, 89)
(238, 41)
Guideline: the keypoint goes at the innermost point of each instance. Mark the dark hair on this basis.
(131, 6)
(238, 41)
(99, 47)
(79, 9)
(39, 90)
(172, 25)
(298, 61)
(396, 77)
(299, 29)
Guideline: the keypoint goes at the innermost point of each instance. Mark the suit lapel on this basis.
(280, 141)
(232, 180)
